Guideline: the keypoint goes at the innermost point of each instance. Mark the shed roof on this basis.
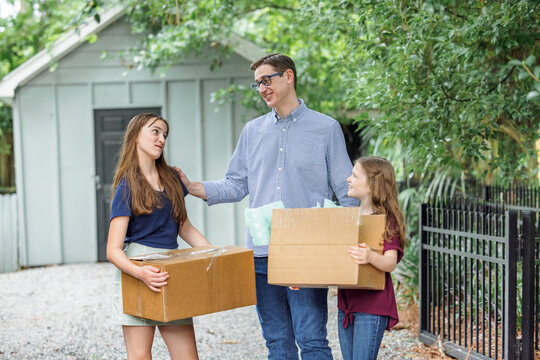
(73, 39)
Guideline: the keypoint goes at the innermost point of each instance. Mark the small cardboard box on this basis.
(202, 280)
(308, 248)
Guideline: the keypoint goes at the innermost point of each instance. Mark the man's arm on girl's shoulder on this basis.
(194, 188)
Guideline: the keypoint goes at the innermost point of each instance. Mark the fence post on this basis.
(510, 281)
(527, 306)
(423, 277)
(487, 193)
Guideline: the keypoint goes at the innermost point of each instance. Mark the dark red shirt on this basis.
(376, 302)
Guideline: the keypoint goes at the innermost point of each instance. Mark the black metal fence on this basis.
(471, 255)
(530, 326)
(525, 200)
(520, 198)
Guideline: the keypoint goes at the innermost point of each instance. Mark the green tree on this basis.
(453, 84)
(35, 27)
(457, 85)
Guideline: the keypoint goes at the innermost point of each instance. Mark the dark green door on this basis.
(110, 126)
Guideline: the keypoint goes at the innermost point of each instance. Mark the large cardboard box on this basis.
(202, 280)
(308, 248)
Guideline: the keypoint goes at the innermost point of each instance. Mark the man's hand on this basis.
(194, 188)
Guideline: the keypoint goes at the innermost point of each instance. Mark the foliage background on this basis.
(34, 28)
(453, 84)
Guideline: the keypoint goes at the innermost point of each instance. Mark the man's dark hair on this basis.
(279, 61)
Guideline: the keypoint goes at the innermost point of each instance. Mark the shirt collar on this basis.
(295, 115)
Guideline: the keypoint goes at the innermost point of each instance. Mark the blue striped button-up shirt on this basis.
(300, 160)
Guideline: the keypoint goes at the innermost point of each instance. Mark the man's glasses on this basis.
(266, 81)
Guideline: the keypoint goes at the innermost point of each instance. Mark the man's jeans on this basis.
(361, 340)
(286, 315)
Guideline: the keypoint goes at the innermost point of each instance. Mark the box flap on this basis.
(324, 226)
(372, 230)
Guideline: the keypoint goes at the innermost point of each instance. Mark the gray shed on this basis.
(68, 126)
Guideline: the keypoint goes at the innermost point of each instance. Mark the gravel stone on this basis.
(63, 312)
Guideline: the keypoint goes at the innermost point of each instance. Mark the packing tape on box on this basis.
(218, 252)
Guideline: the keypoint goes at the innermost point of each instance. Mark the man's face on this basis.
(277, 90)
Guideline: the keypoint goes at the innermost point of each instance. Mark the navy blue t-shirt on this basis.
(158, 229)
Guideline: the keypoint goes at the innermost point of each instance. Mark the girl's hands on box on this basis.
(151, 276)
(361, 254)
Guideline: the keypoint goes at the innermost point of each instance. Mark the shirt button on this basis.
(278, 188)
(283, 129)
(279, 169)
(280, 149)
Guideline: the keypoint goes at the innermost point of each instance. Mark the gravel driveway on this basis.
(63, 312)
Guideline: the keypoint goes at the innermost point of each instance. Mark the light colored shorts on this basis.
(134, 249)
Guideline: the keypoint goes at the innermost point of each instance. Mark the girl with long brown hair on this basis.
(364, 314)
(147, 214)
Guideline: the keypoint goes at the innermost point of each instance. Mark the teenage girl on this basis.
(363, 315)
(147, 214)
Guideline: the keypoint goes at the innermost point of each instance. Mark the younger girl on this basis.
(147, 214)
(365, 314)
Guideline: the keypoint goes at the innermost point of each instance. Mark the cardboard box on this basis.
(308, 248)
(202, 280)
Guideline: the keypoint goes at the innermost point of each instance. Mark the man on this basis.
(298, 156)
